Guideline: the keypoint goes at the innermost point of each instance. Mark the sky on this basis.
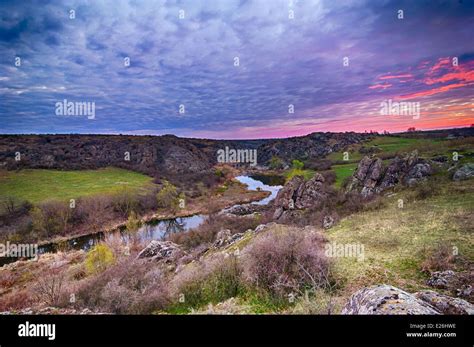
(238, 69)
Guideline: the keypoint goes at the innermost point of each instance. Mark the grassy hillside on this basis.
(390, 146)
(38, 185)
(398, 241)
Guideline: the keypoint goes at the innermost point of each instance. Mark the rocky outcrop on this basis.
(161, 250)
(460, 284)
(300, 194)
(244, 209)
(464, 172)
(225, 238)
(367, 176)
(386, 300)
(442, 279)
(370, 176)
(445, 304)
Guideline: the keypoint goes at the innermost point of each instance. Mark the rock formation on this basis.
(161, 250)
(371, 177)
(300, 194)
(464, 172)
(388, 300)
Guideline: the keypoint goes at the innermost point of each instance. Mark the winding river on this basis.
(157, 230)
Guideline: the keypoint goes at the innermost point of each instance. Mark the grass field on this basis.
(342, 171)
(397, 240)
(387, 145)
(39, 185)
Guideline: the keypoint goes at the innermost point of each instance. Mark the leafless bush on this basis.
(440, 258)
(50, 288)
(125, 288)
(286, 262)
(16, 300)
(51, 217)
(210, 281)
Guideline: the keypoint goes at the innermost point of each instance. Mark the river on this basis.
(157, 230)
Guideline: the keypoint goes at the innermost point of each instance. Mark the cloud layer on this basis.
(289, 52)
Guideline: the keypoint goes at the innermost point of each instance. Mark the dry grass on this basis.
(398, 241)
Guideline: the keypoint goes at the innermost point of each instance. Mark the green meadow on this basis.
(39, 185)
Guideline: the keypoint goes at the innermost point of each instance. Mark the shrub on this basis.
(167, 196)
(51, 217)
(133, 223)
(440, 258)
(125, 288)
(297, 164)
(99, 258)
(50, 288)
(276, 163)
(286, 262)
(211, 281)
(125, 202)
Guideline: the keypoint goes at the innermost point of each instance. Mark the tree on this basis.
(411, 129)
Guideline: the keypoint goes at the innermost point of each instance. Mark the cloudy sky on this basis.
(334, 61)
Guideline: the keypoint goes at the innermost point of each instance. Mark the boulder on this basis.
(225, 238)
(386, 300)
(244, 209)
(328, 222)
(417, 173)
(161, 250)
(464, 172)
(445, 304)
(300, 194)
(442, 279)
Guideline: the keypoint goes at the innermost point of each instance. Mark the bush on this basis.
(440, 258)
(276, 163)
(50, 218)
(167, 196)
(286, 262)
(50, 288)
(297, 164)
(125, 202)
(99, 258)
(211, 281)
(125, 288)
(133, 223)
